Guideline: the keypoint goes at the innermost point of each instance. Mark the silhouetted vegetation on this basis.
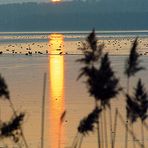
(4, 92)
(103, 85)
(137, 106)
(12, 128)
(87, 124)
(101, 81)
(100, 78)
(132, 66)
(133, 63)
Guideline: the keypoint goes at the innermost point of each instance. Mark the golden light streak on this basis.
(56, 43)
(57, 107)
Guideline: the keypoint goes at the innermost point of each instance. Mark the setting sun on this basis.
(56, 0)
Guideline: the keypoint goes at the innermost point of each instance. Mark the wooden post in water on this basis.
(43, 111)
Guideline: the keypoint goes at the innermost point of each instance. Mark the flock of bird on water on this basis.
(110, 44)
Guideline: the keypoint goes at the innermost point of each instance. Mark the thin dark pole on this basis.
(102, 132)
(132, 126)
(75, 140)
(43, 111)
(126, 127)
(81, 140)
(142, 135)
(130, 131)
(76, 144)
(98, 129)
(105, 130)
(115, 127)
(111, 130)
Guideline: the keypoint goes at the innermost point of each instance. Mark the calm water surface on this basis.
(24, 76)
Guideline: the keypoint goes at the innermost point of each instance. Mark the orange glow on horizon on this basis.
(56, 92)
(54, 1)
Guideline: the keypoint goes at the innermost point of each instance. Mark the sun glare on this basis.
(54, 1)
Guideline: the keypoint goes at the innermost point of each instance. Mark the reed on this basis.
(4, 92)
(43, 111)
(101, 81)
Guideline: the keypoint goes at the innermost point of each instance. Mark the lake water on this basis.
(24, 76)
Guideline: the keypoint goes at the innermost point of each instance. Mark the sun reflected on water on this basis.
(56, 43)
(56, 71)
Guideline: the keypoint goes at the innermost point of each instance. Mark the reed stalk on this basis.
(98, 132)
(43, 111)
(115, 127)
(80, 142)
(132, 126)
(105, 130)
(102, 132)
(21, 130)
(111, 131)
(126, 126)
(142, 135)
(130, 131)
(75, 140)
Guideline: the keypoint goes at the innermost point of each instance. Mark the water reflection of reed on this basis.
(56, 71)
